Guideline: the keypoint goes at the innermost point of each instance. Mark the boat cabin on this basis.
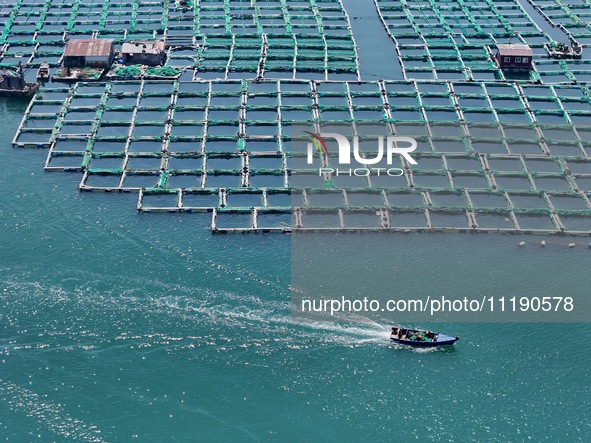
(515, 56)
(11, 80)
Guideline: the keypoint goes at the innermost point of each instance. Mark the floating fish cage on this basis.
(491, 157)
(210, 39)
(456, 40)
(572, 17)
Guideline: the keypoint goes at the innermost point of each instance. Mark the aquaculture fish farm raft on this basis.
(228, 39)
(456, 39)
(486, 159)
(498, 151)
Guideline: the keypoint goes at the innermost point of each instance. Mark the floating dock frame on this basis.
(227, 147)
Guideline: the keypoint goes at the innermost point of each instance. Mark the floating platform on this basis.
(73, 75)
(139, 72)
(562, 51)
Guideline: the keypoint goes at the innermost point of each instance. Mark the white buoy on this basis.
(571, 245)
(521, 243)
(543, 243)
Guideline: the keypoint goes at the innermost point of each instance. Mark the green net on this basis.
(128, 71)
(164, 71)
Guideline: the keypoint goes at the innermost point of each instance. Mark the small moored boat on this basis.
(43, 72)
(419, 338)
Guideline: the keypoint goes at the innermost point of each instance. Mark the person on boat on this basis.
(396, 331)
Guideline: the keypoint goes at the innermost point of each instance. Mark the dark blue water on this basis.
(377, 52)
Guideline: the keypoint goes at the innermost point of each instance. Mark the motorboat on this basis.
(421, 338)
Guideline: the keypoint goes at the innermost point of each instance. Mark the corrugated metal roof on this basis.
(100, 47)
(515, 49)
(147, 47)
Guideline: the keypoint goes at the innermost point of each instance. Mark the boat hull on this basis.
(425, 344)
(421, 339)
(31, 89)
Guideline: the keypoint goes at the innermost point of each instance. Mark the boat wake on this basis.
(129, 310)
(272, 317)
(50, 414)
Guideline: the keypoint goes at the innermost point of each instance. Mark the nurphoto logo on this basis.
(395, 145)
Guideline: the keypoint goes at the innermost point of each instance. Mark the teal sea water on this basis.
(117, 326)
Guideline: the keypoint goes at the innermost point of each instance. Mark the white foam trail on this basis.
(49, 414)
(353, 330)
(214, 307)
(266, 313)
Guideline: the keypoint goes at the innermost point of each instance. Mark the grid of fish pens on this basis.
(491, 157)
(209, 39)
(36, 32)
(456, 39)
